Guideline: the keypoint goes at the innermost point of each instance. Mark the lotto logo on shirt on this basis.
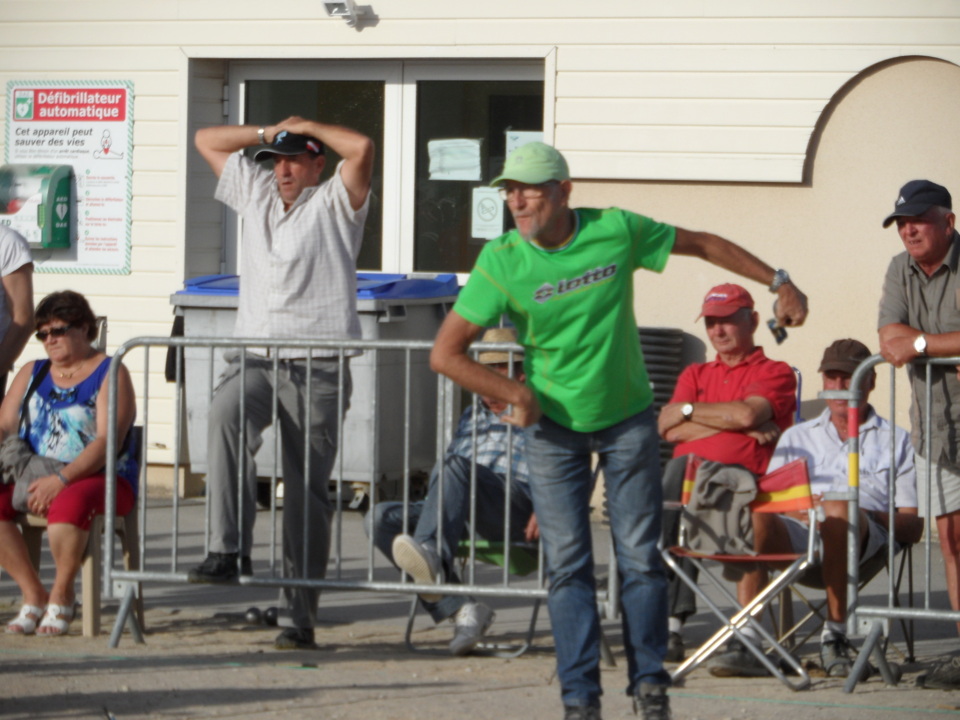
(547, 291)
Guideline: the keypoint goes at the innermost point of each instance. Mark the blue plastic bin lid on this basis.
(386, 286)
(370, 286)
(211, 285)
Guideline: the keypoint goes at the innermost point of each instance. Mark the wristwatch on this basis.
(687, 411)
(261, 137)
(780, 277)
(920, 344)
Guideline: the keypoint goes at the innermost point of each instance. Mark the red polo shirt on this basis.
(756, 376)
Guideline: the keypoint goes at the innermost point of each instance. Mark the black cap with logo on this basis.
(288, 143)
(916, 197)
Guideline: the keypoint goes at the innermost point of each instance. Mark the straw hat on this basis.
(499, 335)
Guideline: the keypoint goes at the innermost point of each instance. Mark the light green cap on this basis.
(534, 163)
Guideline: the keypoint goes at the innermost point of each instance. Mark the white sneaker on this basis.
(419, 562)
(470, 624)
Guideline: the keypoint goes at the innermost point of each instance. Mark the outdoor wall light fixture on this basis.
(346, 9)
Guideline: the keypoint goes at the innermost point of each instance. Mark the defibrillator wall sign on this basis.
(86, 126)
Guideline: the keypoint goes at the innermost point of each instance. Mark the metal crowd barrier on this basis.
(863, 618)
(175, 570)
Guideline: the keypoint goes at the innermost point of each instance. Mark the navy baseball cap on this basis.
(288, 143)
(916, 197)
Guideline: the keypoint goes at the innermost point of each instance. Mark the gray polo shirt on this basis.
(932, 305)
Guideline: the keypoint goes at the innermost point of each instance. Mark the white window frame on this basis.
(400, 79)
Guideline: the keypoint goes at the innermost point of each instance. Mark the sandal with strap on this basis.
(26, 622)
(56, 620)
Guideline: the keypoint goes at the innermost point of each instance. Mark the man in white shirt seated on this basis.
(823, 442)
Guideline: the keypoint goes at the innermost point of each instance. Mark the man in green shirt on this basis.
(565, 279)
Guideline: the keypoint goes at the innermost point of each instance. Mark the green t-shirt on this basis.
(573, 310)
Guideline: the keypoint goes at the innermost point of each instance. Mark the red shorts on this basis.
(77, 503)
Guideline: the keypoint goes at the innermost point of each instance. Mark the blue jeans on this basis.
(561, 481)
(387, 520)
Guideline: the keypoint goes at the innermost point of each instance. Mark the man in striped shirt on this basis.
(298, 281)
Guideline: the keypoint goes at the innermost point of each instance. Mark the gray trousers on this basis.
(307, 509)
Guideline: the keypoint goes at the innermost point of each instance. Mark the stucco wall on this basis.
(893, 125)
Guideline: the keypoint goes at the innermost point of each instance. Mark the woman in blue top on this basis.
(59, 406)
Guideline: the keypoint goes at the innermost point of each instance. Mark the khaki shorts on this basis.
(877, 536)
(945, 490)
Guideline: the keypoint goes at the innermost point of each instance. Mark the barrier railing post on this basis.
(447, 408)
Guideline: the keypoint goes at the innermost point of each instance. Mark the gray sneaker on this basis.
(945, 676)
(736, 661)
(836, 660)
(651, 702)
(469, 624)
(419, 562)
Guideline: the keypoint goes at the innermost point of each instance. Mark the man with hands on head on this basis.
(298, 281)
(565, 277)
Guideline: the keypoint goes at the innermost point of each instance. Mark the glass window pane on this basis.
(356, 104)
(482, 110)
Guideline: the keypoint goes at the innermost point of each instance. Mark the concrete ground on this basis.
(202, 659)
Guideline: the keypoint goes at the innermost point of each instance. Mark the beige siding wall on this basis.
(696, 111)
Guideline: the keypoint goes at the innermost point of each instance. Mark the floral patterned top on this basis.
(60, 422)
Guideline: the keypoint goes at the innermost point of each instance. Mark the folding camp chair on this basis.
(786, 489)
(789, 629)
(524, 559)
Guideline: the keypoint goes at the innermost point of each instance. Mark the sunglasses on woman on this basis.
(42, 335)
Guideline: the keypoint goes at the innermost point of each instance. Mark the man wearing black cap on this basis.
(920, 316)
(298, 272)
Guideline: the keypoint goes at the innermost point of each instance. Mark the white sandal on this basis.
(24, 624)
(57, 619)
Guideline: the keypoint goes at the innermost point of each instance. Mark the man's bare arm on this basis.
(711, 418)
(450, 357)
(791, 303)
(217, 144)
(18, 288)
(896, 343)
(355, 148)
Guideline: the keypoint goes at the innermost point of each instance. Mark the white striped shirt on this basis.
(298, 268)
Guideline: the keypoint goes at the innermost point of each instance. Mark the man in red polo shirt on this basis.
(730, 410)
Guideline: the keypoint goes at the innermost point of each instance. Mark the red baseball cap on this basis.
(724, 300)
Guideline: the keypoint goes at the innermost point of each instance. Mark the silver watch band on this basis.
(780, 277)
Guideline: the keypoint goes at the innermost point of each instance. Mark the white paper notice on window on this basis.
(516, 138)
(487, 216)
(454, 159)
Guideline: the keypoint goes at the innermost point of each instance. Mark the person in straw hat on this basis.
(429, 552)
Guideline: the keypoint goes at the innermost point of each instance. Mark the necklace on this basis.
(67, 376)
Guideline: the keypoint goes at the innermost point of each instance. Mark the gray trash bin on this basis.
(391, 307)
